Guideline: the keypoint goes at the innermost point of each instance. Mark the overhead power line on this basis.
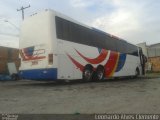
(8, 34)
(12, 24)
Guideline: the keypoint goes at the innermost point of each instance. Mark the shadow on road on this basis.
(78, 82)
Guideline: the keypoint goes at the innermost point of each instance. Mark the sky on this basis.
(135, 21)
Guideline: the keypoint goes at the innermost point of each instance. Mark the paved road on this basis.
(111, 96)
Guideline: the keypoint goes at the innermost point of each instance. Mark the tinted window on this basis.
(59, 28)
(73, 32)
(122, 46)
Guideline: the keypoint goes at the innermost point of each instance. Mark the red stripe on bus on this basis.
(97, 60)
(111, 64)
(78, 65)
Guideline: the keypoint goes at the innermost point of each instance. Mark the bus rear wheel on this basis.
(87, 73)
(99, 74)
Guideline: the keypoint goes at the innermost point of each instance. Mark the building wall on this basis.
(153, 54)
(8, 55)
(155, 64)
(154, 57)
(155, 45)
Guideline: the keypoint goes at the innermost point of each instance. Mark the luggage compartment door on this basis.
(65, 68)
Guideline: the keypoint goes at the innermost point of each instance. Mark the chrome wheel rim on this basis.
(87, 74)
(100, 75)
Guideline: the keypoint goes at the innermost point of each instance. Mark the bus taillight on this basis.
(50, 59)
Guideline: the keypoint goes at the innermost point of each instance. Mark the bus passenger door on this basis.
(143, 61)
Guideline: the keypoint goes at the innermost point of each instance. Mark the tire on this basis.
(88, 73)
(14, 76)
(99, 74)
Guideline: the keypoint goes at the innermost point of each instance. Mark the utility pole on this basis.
(22, 9)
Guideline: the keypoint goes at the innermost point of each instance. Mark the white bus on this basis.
(54, 46)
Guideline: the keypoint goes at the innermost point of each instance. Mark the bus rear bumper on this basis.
(39, 74)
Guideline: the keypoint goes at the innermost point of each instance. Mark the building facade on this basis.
(153, 54)
(8, 55)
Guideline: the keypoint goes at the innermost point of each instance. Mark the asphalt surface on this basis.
(139, 95)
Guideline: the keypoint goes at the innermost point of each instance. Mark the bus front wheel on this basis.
(88, 73)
